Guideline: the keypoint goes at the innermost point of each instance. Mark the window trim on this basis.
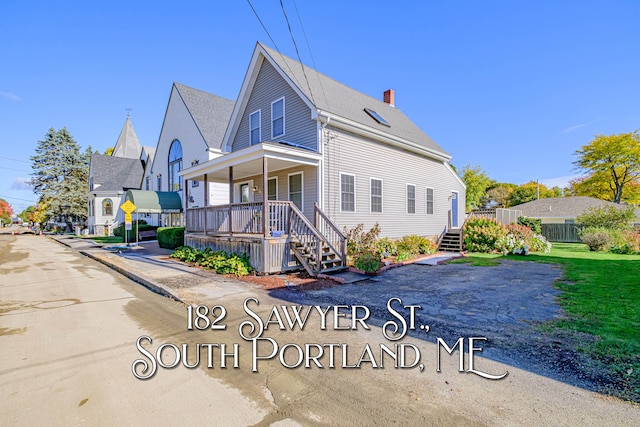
(174, 176)
(371, 179)
(273, 136)
(354, 192)
(415, 197)
(301, 173)
(259, 112)
(433, 200)
(104, 207)
(267, 192)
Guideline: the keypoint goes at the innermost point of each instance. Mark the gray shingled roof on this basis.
(116, 173)
(211, 113)
(341, 100)
(561, 207)
(127, 145)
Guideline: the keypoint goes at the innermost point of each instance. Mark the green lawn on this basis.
(601, 296)
(105, 239)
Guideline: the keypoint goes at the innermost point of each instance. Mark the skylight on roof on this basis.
(377, 117)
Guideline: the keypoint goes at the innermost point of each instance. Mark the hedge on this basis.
(170, 237)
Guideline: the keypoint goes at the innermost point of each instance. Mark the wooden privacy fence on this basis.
(564, 233)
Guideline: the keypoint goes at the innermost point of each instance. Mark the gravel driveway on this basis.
(504, 303)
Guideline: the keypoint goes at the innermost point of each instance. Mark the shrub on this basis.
(367, 262)
(628, 243)
(402, 256)
(170, 237)
(539, 243)
(608, 216)
(597, 238)
(131, 234)
(535, 224)
(386, 245)
(481, 234)
(220, 261)
(359, 241)
(414, 244)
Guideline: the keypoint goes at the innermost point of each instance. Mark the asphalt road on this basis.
(68, 332)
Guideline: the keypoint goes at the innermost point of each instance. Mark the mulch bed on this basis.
(300, 279)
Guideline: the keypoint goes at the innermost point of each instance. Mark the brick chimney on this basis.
(389, 97)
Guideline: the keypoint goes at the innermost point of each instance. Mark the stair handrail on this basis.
(339, 235)
(297, 216)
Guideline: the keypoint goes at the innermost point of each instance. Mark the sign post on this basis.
(128, 208)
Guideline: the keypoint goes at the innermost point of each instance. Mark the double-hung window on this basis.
(429, 201)
(347, 192)
(411, 198)
(277, 118)
(376, 195)
(254, 127)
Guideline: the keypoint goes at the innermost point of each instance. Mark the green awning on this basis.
(154, 201)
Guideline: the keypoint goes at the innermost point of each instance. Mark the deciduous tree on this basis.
(5, 212)
(477, 182)
(528, 192)
(614, 159)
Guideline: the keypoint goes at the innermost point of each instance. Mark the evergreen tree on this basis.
(60, 176)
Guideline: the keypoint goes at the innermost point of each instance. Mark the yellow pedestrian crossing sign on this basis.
(128, 207)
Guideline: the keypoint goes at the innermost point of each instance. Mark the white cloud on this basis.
(10, 96)
(20, 183)
(572, 128)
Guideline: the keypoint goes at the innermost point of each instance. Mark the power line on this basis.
(313, 61)
(15, 160)
(295, 45)
(16, 198)
(12, 169)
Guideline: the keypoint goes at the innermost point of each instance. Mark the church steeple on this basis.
(128, 145)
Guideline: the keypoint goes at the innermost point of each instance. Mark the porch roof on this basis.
(248, 162)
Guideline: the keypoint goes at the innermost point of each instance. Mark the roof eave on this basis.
(364, 130)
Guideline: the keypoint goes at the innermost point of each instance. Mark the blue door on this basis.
(454, 209)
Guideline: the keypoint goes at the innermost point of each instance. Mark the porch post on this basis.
(265, 197)
(183, 217)
(230, 200)
(206, 202)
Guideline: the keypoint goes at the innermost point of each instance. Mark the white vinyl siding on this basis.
(347, 192)
(429, 199)
(277, 118)
(353, 153)
(411, 198)
(254, 128)
(296, 189)
(299, 126)
(376, 195)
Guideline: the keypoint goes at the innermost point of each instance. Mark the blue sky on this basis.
(512, 86)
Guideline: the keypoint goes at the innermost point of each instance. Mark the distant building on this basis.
(562, 210)
(111, 176)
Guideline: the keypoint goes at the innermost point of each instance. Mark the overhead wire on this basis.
(295, 45)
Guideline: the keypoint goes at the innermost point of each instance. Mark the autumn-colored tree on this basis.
(28, 214)
(5, 212)
(528, 192)
(109, 151)
(597, 185)
(499, 194)
(612, 159)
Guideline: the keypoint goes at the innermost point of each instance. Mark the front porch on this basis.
(285, 241)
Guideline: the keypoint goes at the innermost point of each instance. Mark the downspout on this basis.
(321, 167)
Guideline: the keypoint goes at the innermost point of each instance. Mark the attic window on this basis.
(377, 117)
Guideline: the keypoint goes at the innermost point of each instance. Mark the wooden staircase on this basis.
(452, 241)
(318, 252)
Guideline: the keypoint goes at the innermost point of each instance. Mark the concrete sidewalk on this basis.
(151, 266)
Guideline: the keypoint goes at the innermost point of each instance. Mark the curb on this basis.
(152, 286)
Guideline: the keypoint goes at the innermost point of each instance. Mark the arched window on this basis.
(107, 207)
(175, 166)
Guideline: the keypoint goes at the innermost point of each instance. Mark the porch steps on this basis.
(451, 241)
(306, 254)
